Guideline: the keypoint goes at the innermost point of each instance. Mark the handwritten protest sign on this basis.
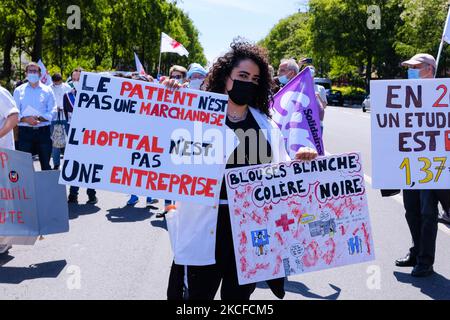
(143, 138)
(297, 217)
(31, 203)
(410, 134)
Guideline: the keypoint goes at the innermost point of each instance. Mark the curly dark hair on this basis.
(243, 50)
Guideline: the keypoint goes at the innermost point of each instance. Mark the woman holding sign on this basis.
(201, 236)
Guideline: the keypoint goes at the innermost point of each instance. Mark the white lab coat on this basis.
(192, 227)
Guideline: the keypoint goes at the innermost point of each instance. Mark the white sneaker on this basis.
(4, 248)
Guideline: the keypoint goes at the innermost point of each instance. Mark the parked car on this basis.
(324, 82)
(366, 104)
(335, 98)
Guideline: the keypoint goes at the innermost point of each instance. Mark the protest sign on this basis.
(296, 112)
(143, 138)
(296, 217)
(410, 134)
(32, 203)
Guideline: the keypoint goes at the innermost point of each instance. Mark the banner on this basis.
(410, 134)
(296, 112)
(142, 138)
(296, 217)
(32, 203)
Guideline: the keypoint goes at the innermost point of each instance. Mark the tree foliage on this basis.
(336, 35)
(110, 32)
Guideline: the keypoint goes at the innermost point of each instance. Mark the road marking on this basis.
(399, 199)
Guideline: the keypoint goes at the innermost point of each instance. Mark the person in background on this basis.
(59, 88)
(196, 80)
(287, 70)
(422, 206)
(134, 199)
(178, 73)
(321, 96)
(9, 118)
(68, 103)
(196, 76)
(36, 103)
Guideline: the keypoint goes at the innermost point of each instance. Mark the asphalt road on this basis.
(116, 252)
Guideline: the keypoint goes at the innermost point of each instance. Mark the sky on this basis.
(219, 21)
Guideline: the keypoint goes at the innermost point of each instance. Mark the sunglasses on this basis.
(178, 77)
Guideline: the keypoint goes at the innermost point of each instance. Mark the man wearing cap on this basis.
(422, 206)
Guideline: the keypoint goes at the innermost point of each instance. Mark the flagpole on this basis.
(442, 43)
(159, 64)
(438, 57)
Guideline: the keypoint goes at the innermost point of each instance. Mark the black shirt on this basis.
(253, 148)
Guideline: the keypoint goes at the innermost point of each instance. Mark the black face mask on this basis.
(243, 92)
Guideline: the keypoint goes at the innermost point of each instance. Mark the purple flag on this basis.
(296, 112)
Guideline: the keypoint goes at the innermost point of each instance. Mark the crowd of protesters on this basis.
(206, 261)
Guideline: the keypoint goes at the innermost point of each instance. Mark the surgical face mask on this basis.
(243, 92)
(313, 72)
(195, 84)
(283, 79)
(413, 73)
(32, 77)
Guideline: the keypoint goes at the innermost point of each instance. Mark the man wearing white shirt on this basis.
(36, 104)
(9, 117)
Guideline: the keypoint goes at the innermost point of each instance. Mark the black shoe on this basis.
(161, 215)
(422, 270)
(92, 200)
(56, 168)
(407, 261)
(72, 199)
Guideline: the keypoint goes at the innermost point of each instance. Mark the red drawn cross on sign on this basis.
(284, 222)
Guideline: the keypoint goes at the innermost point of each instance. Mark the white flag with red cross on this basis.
(170, 45)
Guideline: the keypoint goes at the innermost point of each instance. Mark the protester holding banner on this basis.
(201, 235)
(422, 206)
(37, 106)
(9, 118)
(134, 199)
(69, 101)
(59, 88)
(178, 72)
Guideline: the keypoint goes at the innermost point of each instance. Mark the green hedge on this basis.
(350, 91)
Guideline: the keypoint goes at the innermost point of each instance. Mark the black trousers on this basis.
(204, 281)
(31, 138)
(422, 210)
